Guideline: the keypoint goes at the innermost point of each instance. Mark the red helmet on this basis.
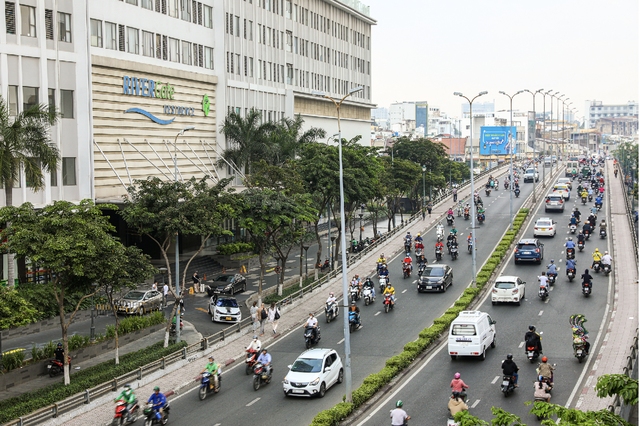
(544, 359)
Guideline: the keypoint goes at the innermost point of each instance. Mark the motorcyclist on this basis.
(597, 257)
(407, 261)
(587, 278)
(552, 269)
(382, 259)
(542, 390)
(59, 352)
(457, 384)
(456, 404)
(368, 283)
(584, 194)
(212, 368)
(158, 402)
(422, 259)
(451, 239)
(312, 322)
(450, 212)
(576, 213)
(598, 201)
(573, 220)
(439, 246)
(469, 239)
(590, 193)
(129, 398)
(509, 368)
(532, 338)
(408, 238)
(592, 220)
(418, 238)
(546, 370)
(581, 237)
(255, 345)
(586, 228)
(570, 244)
(354, 308)
(332, 301)
(265, 360)
(571, 265)
(392, 291)
(606, 259)
(454, 231)
(398, 416)
(603, 226)
(384, 272)
(544, 281)
(601, 191)
(467, 209)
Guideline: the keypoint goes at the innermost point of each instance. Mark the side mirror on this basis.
(289, 366)
(492, 322)
(326, 369)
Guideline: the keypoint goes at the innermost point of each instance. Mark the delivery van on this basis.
(470, 334)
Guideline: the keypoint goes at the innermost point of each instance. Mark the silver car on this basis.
(554, 202)
(140, 302)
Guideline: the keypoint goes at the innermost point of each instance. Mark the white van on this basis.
(470, 334)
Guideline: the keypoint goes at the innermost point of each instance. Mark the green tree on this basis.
(247, 139)
(25, 144)
(288, 137)
(399, 179)
(161, 210)
(15, 310)
(74, 242)
(618, 384)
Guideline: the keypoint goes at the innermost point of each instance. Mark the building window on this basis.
(66, 103)
(185, 10)
(10, 16)
(51, 96)
(96, 33)
(28, 21)
(289, 41)
(133, 40)
(29, 97)
(68, 171)
(186, 53)
(13, 100)
(64, 27)
(238, 67)
(147, 44)
(174, 50)
(133, 2)
(173, 8)
(250, 67)
(287, 9)
(110, 36)
(237, 22)
(147, 4)
(208, 58)
(207, 19)
(48, 23)
(289, 73)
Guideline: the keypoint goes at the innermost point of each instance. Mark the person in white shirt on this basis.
(312, 322)
(255, 344)
(606, 259)
(544, 281)
(165, 293)
(154, 286)
(399, 416)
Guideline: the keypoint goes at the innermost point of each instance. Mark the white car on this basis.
(566, 181)
(224, 309)
(508, 288)
(315, 371)
(544, 226)
(563, 189)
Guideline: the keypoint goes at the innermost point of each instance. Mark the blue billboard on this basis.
(494, 140)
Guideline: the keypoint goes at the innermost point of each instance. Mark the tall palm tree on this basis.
(289, 137)
(247, 138)
(25, 144)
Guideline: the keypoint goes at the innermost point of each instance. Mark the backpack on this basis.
(263, 314)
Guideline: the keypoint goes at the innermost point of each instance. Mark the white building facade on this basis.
(597, 110)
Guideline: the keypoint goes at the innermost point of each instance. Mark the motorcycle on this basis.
(580, 245)
(470, 246)
(421, 268)
(584, 201)
(552, 278)
(596, 267)
(120, 418)
(387, 303)
(330, 312)
(579, 349)
(573, 228)
(587, 234)
(383, 283)
(309, 340)
(450, 220)
(406, 270)
(439, 232)
(56, 367)
(487, 191)
(590, 198)
(517, 192)
(466, 215)
(571, 253)
(481, 217)
(438, 254)
(460, 211)
(532, 353)
(250, 360)
(206, 384)
(508, 384)
(571, 274)
(506, 185)
(454, 251)
(150, 415)
(407, 246)
(606, 269)
(260, 376)
(598, 206)
(368, 296)
(603, 233)
(586, 289)
(354, 322)
(543, 293)
(354, 293)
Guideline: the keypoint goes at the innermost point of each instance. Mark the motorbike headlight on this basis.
(315, 382)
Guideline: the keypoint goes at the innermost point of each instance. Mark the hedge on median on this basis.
(85, 379)
(413, 349)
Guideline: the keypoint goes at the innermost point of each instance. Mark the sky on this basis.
(427, 49)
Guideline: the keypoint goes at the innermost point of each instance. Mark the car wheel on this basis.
(322, 391)
(244, 286)
(484, 354)
(232, 292)
(493, 343)
(494, 303)
(212, 320)
(454, 357)
(340, 376)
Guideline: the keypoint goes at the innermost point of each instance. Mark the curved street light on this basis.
(511, 153)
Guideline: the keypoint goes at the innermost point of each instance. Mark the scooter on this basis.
(309, 340)
(150, 415)
(120, 418)
(517, 192)
(470, 247)
(543, 293)
(596, 267)
(421, 268)
(571, 253)
(406, 270)
(407, 247)
(466, 215)
(354, 293)
(354, 324)
(552, 278)
(571, 274)
(367, 295)
(586, 289)
(532, 353)
(590, 198)
(454, 251)
(250, 361)
(330, 312)
(606, 269)
(439, 232)
(450, 220)
(508, 384)
(438, 254)
(481, 217)
(260, 376)
(573, 228)
(388, 305)
(584, 201)
(207, 384)
(603, 233)
(580, 245)
(56, 367)
(487, 191)
(383, 283)
(579, 349)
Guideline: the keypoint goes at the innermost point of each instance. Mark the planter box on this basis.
(235, 261)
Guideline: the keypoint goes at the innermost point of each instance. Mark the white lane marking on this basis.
(404, 291)
(493, 382)
(475, 403)
(253, 402)
(521, 345)
(540, 313)
(377, 313)
(340, 341)
(546, 301)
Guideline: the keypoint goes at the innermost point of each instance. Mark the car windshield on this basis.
(543, 223)
(134, 295)
(557, 198)
(306, 365)
(530, 171)
(434, 272)
(225, 278)
(526, 247)
(505, 285)
(227, 303)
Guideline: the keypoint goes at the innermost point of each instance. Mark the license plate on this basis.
(579, 351)
(428, 287)
(505, 383)
(48, 366)
(228, 318)
(526, 252)
(530, 354)
(297, 391)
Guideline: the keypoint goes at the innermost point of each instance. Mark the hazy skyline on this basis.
(426, 50)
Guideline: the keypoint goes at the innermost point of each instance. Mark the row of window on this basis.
(128, 39)
(31, 97)
(187, 10)
(68, 175)
(27, 20)
(268, 115)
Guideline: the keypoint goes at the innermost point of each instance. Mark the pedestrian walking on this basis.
(165, 293)
(254, 316)
(429, 207)
(424, 214)
(196, 282)
(263, 318)
(455, 194)
(274, 316)
(154, 286)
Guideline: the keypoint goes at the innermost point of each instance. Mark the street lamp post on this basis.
(473, 204)
(450, 186)
(175, 179)
(559, 98)
(361, 214)
(92, 335)
(306, 264)
(424, 195)
(343, 241)
(533, 95)
(544, 140)
(511, 153)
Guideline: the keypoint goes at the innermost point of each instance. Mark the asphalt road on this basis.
(426, 393)
(382, 336)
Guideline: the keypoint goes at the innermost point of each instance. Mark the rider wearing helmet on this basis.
(418, 238)
(570, 244)
(158, 402)
(59, 352)
(398, 416)
(546, 370)
(129, 398)
(354, 308)
(457, 384)
(597, 257)
(213, 368)
(581, 237)
(392, 291)
(551, 268)
(509, 368)
(532, 338)
(606, 259)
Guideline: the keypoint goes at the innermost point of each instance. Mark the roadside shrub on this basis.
(401, 360)
(77, 341)
(233, 248)
(445, 319)
(13, 359)
(49, 350)
(470, 291)
(37, 353)
(110, 332)
(364, 392)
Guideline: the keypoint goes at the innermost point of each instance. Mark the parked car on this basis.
(530, 175)
(544, 226)
(229, 283)
(508, 288)
(529, 249)
(224, 309)
(435, 278)
(554, 201)
(315, 371)
(140, 302)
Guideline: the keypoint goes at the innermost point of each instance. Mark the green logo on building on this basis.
(205, 105)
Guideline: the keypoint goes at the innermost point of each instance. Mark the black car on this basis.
(435, 278)
(229, 283)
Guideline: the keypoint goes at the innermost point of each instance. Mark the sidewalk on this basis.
(623, 323)
(100, 411)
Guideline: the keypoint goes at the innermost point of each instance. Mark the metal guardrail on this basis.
(628, 202)
(102, 389)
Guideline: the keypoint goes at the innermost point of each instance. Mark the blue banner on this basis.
(494, 140)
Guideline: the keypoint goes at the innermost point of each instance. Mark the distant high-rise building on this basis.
(597, 111)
